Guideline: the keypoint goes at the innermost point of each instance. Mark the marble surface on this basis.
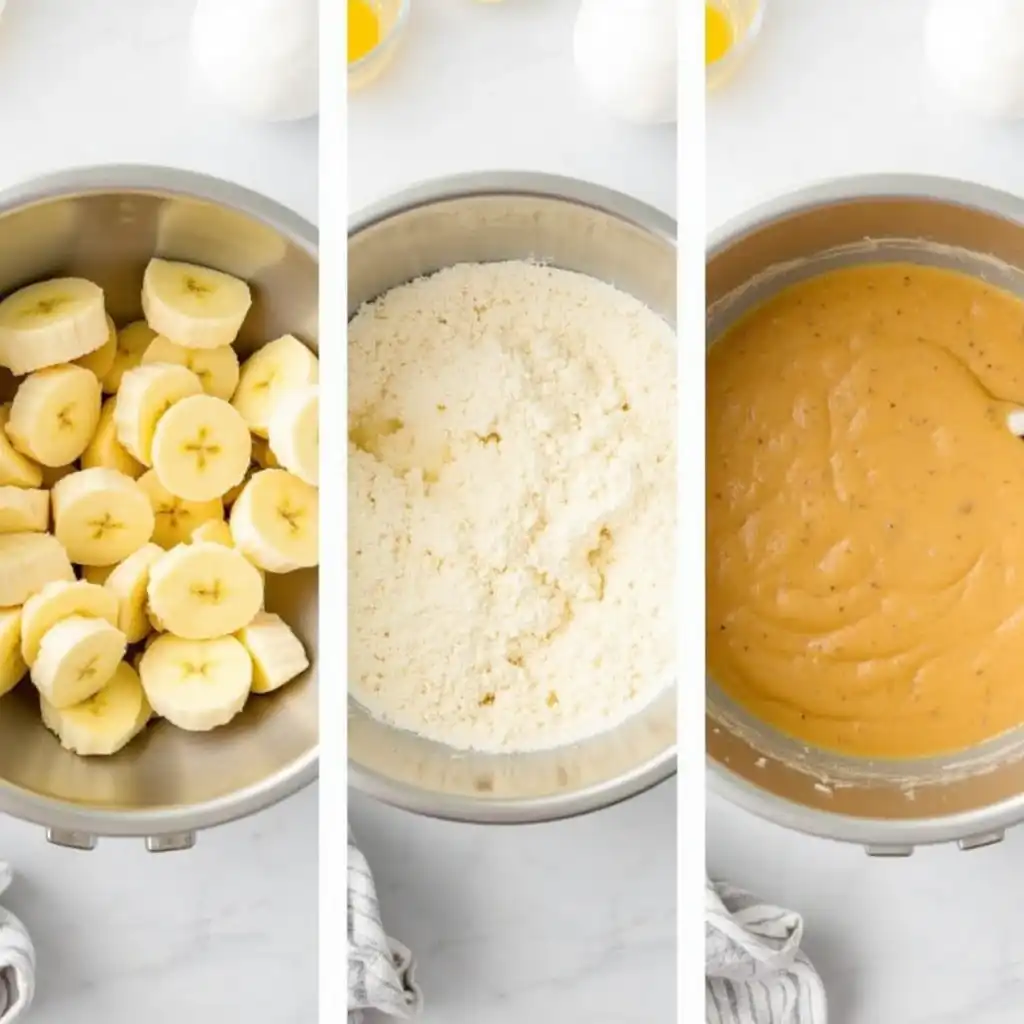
(573, 921)
(227, 931)
(835, 89)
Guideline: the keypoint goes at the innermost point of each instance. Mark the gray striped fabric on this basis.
(380, 970)
(17, 961)
(755, 971)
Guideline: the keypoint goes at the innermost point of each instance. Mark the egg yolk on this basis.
(718, 34)
(363, 29)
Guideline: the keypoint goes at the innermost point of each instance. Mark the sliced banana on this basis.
(294, 432)
(277, 653)
(105, 451)
(104, 723)
(12, 664)
(276, 522)
(54, 414)
(201, 448)
(204, 590)
(101, 516)
(24, 509)
(101, 360)
(51, 322)
(76, 659)
(175, 517)
(194, 306)
(146, 393)
(28, 561)
(196, 684)
(277, 367)
(128, 583)
(132, 342)
(60, 600)
(216, 368)
(214, 531)
(15, 469)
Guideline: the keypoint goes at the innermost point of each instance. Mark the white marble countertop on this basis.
(573, 921)
(835, 89)
(227, 931)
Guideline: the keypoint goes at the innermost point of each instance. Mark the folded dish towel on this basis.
(17, 961)
(755, 972)
(380, 970)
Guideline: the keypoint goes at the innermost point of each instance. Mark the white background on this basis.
(228, 931)
(571, 922)
(838, 88)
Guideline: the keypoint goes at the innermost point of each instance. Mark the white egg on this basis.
(626, 57)
(259, 57)
(975, 53)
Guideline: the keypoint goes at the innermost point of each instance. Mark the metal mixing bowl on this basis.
(888, 806)
(576, 226)
(105, 223)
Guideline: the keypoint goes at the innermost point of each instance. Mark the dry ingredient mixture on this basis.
(511, 506)
(865, 511)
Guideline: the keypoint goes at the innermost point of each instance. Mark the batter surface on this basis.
(865, 511)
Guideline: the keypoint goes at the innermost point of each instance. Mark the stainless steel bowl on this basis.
(581, 227)
(105, 223)
(888, 806)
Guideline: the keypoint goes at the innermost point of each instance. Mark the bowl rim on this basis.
(656, 770)
(87, 823)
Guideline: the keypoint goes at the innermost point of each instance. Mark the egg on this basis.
(626, 57)
(975, 54)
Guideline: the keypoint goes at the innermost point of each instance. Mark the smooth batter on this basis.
(865, 511)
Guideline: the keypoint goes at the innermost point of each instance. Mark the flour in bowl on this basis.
(511, 506)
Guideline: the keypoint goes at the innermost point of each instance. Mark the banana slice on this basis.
(196, 684)
(132, 342)
(277, 653)
(104, 723)
(102, 359)
(23, 510)
(76, 659)
(101, 516)
(203, 590)
(201, 448)
(276, 522)
(294, 433)
(15, 469)
(97, 573)
(28, 561)
(54, 414)
(51, 322)
(213, 531)
(12, 664)
(128, 583)
(216, 368)
(175, 517)
(267, 374)
(104, 451)
(58, 601)
(194, 306)
(146, 393)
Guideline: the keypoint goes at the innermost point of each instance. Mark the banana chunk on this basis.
(104, 723)
(51, 322)
(277, 654)
(12, 664)
(54, 414)
(201, 448)
(194, 306)
(102, 359)
(146, 393)
(76, 659)
(214, 531)
(294, 433)
(58, 601)
(196, 684)
(104, 451)
(24, 509)
(276, 522)
(271, 371)
(127, 584)
(101, 516)
(15, 469)
(216, 368)
(28, 561)
(132, 342)
(204, 590)
(175, 517)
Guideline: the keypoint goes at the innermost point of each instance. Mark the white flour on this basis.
(511, 506)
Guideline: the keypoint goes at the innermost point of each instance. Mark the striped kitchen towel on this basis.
(755, 972)
(17, 961)
(380, 970)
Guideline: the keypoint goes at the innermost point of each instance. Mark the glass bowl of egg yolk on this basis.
(730, 28)
(375, 28)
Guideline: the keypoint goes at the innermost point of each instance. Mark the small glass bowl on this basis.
(746, 18)
(393, 16)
